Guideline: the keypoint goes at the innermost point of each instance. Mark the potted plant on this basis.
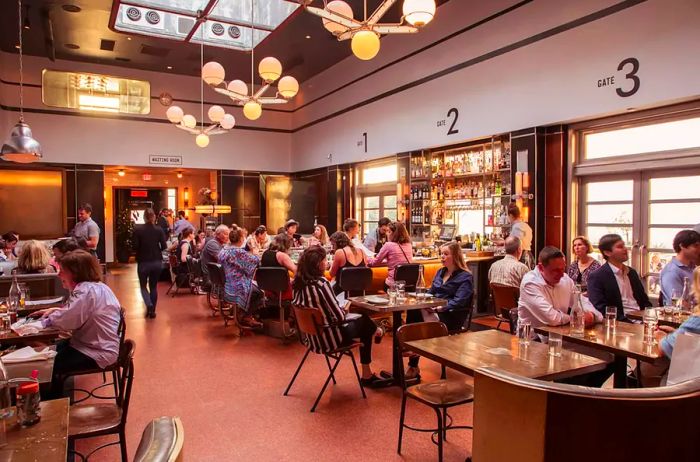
(125, 230)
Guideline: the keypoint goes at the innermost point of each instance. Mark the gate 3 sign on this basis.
(164, 160)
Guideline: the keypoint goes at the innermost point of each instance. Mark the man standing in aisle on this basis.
(182, 224)
(376, 239)
(351, 228)
(210, 252)
(522, 231)
(614, 283)
(163, 222)
(686, 244)
(509, 271)
(87, 228)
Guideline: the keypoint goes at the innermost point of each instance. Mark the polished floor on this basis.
(228, 392)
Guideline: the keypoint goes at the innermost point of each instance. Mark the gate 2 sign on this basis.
(627, 84)
(164, 160)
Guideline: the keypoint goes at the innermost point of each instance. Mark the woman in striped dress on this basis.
(311, 289)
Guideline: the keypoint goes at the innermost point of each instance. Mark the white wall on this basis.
(550, 81)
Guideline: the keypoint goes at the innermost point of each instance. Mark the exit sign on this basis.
(139, 193)
(146, 177)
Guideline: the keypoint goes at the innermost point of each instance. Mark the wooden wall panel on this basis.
(555, 187)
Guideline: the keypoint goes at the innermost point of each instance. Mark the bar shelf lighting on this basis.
(211, 209)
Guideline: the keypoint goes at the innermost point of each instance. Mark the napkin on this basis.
(22, 328)
(499, 351)
(28, 354)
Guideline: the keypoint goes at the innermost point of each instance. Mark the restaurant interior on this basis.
(253, 229)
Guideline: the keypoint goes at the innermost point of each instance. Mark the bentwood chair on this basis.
(407, 272)
(504, 298)
(162, 441)
(194, 272)
(100, 419)
(439, 395)
(174, 264)
(354, 280)
(313, 330)
(229, 311)
(275, 280)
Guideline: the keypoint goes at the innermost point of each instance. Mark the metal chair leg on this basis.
(498, 326)
(401, 420)
(357, 374)
(328, 363)
(444, 424)
(440, 433)
(294, 377)
(122, 446)
(325, 385)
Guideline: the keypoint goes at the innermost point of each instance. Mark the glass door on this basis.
(646, 209)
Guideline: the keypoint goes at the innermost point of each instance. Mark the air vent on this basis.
(184, 25)
(154, 51)
(124, 60)
(107, 45)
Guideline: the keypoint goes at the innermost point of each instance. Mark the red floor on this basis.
(228, 393)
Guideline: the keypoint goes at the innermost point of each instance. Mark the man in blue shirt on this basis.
(181, 223)
(691, 325)
(686, 244)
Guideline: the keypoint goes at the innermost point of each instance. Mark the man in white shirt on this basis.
(509, 271)
(547, 293)
(522, 231)
(351, 227)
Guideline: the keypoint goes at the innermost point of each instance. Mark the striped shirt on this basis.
(508, 271)
(319, 294)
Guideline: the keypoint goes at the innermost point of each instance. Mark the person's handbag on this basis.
(684, 361)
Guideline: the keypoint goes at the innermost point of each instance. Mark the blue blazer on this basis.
(458, 290)
(603, 290)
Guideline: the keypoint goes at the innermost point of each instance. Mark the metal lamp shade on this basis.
(21, 147)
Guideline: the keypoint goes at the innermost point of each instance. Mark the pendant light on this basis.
(21, 147)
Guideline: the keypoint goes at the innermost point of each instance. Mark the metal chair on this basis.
(229, 311)
(439, 395)
(310, 323)
(407, 272)
(100, 419)
(194, 273)
(354, 280)
(173, 263)
(504, 298)
(276, 280)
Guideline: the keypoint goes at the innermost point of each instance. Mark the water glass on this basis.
(524, 329)
(5, 323)
(391, 292)
(610, 317)
(676, 313)
(555, 342)
(400, 287)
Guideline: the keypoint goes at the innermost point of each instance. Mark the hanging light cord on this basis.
(21, 69)
(201, 81)
(252, 48)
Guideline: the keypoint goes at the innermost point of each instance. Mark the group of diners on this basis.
(548, 292)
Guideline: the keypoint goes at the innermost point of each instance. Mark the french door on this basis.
(647, 209)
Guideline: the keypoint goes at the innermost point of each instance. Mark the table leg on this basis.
(620, 375)
(392, 378)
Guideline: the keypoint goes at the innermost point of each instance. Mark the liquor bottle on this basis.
(477, 243)
(13, 299)
(420, 284)
(684, 301)
(577, 320)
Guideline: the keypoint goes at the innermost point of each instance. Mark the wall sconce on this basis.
(179, 174)
(186, 196)
(121, 172)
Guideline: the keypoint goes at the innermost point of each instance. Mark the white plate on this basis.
(376, 300)
(426, 295)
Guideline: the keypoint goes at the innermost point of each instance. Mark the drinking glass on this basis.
(400, 287)
(5, 323)
(391, 292)
(524, 328)
(554, 342)
(610, 317)
(651, 319)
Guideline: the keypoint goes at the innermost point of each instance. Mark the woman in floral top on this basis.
(239, 266)
(584, 264)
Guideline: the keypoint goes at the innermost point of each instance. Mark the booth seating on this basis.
(516, 418)
(161, 441)
(43, 285)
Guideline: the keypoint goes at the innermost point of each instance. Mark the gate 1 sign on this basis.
(164, 160)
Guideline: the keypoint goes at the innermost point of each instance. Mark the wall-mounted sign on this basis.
(164, 160)
(452, 114)
(139, 193)
(626, 85)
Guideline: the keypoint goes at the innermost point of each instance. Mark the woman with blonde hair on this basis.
(34, 258)
(320, 236)
(584, 264)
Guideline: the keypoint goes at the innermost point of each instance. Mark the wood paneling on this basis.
(555, 188)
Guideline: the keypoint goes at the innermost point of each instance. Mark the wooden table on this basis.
(46, 441)
(43, 336)
(626, 341)
(40, 303)
(469, 351)
(664, 319)
(411, 303)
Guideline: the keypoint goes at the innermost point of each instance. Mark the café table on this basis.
(411, 303)
(45, 441)
(625, 341)
(43, 336)
(664, 319)
(469, 351)
(39, 303)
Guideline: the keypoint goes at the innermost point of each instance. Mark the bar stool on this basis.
(276, 280)
(407, 272)
(353, 280)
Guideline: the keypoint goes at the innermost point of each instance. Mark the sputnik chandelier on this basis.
(270, 69)
(221, 121)
(338, 18)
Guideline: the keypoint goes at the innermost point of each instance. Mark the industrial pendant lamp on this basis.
(21, 147)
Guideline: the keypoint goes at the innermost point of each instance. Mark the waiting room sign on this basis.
(164, 160)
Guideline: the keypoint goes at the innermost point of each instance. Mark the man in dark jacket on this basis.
(614, 283)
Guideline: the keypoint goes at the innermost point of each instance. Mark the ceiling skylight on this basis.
(227, 23)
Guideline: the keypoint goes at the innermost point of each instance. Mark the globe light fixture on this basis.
(174, 114)
(227, 122)
(202, 140)
(288, 86)
(418, 12)
(213, 73)
(216, 113)
(252, 110)
(338, 19)
(365, 44)
(189, 121)
(270, 69)
(238, 86)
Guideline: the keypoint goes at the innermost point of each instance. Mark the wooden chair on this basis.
(354, 280)
(504, 298)
(439, 395)
(101, 419)
(311, 325)
(538, 420)
(162, 441)
(276, 281)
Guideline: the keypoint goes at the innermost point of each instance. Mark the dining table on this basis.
(45, 441)
(43, 336)
(625, 340)
(380, 304)
(469, 351)
(665, 319)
